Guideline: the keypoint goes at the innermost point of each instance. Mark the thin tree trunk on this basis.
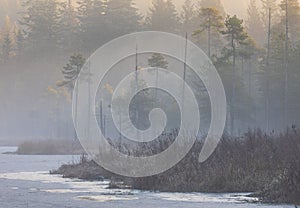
(137, 88)
(184, 70)
(120, 117)
(232, 104)
(89, 101)
(268, 76)
(156, 83)
(209, 37)
(250, 90)
(286, 63)
(75, 121)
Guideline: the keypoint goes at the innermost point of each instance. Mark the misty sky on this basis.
(238, 7)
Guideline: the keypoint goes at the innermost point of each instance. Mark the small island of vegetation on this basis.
(50, 147)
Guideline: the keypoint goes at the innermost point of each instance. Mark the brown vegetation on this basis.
(266, 165)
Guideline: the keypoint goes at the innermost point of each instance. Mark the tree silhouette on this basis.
(211, 21)
(236, 35)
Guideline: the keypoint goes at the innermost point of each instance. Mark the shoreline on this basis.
(81, 171)
(104, 190)
(251, 198)
(266, 166)
(40, 154)
(247, 196)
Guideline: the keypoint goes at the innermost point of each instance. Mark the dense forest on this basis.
(257, 58)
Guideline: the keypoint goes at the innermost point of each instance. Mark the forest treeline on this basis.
(50, 147)
(257, 58)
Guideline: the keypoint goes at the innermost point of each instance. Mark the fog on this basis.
(231, 6)
(34, 107)
(12, 7)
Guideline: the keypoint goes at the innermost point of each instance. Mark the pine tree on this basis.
(71, 71)
(236, 35)
(70, 74)
(211, 22)
(254, 24)
(162, 16)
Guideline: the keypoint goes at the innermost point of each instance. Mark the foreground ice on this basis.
(76, 191)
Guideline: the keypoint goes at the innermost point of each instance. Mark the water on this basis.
(25, 182)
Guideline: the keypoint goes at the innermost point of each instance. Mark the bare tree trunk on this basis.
(75, 121)
(250, 89)
(232, 100)
(286, 63)
(156, 83)
(209, 37)
(268, 76)
(184, 70)
(89, 101)
(137, 88)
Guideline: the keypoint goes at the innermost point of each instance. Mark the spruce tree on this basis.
(254, 24)
(93, 30)
(162, 16)
(68, 27)
(188, 17)
(19, 39)
(123, 17)
(6, 47)
(71, 71)
(41, 19)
